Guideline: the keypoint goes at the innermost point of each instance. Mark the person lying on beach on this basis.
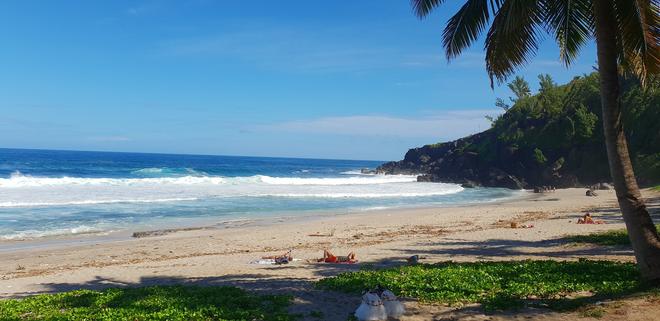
(286, 256)
(328, 257)
(587, 219)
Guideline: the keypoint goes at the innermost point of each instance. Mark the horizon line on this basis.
(189, 154)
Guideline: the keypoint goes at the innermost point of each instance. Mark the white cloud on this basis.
(445, 126)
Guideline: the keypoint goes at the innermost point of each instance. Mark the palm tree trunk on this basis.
(642, 232)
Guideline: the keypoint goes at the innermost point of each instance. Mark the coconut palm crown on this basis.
(516, 27)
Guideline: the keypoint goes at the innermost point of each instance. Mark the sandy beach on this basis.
(220, 254)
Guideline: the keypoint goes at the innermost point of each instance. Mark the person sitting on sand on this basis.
(328, 257)
(587, 219)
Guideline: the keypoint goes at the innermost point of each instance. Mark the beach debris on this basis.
(393, 307)
(591, 192)
(162, 232)
(414, 259)
(371, 308)
(332, 233)
(516, 225)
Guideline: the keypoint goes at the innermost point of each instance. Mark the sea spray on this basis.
(46, 193)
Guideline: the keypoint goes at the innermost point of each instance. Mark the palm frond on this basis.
(465, 27)
(571, 21)
(423, 7)
(639, 37)
(513, 37)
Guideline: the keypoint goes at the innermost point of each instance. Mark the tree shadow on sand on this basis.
(310, 302)
(507, 249)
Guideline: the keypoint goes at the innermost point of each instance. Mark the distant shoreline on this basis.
(219, 223)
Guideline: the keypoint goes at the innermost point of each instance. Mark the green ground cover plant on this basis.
(149, 303)
(614, 237)
(497, 285)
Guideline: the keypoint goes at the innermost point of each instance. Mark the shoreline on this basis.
(382, 238)
(218, 223)
(212, 257)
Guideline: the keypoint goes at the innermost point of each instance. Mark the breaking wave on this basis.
(17, 180)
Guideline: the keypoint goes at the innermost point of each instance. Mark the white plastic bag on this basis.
(393, 307)
(371, 308)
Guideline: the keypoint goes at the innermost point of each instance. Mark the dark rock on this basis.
(469, 184)
(482, 160)
(367, 171)
(509, 181)
(425, 178)
(591, 193)
(565, 181)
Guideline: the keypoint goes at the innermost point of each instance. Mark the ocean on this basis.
(60, 193)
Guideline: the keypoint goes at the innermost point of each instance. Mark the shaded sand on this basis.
(218, 255)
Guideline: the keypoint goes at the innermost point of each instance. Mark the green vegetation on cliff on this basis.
(562, 123)
(552, 137)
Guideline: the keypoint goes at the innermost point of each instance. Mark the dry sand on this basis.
(220, 254)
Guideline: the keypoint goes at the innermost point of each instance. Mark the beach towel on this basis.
(273, 261)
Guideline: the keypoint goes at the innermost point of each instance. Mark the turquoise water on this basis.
(46, 193)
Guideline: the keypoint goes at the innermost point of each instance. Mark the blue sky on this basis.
(323, 79)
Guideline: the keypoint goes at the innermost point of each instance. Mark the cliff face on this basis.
(460, 162)
(553, 138)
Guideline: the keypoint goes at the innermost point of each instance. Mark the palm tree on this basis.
(520, 87)
(627, 35)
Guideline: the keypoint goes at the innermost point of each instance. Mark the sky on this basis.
(316, 79)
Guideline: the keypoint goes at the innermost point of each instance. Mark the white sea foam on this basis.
(24, 191)
(375, 208)
(92, 202)
(358, 172)
(377, 179)
(368, 195)
(18, 180)
(37, 206)
(167, 171)
(150, 170)
(31, 234)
